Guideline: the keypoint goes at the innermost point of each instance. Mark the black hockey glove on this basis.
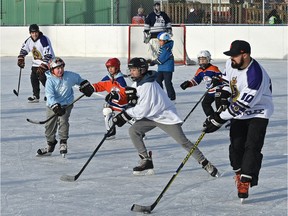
(216, 81)
(213, 123)
(113, 95)
(131, 94)
(221, 99)
(57, 109)
(121, 119)
(152, 63)
(41, 69)
(86, 88)
(21, 61)
(186, 84)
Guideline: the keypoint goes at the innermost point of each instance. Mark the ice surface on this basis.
(31, 185)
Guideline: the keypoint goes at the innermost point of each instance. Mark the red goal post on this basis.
(137, 48)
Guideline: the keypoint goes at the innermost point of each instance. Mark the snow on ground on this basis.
(32, 186)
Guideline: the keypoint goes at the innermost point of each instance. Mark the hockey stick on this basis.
(51, 117)
(70, 178)
(148, 209)
(196, 105)
(14, 91)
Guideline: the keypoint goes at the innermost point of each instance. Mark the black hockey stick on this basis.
(148, 209)
(70, 178)
(206, 92)
(51, 117)
(14, 91)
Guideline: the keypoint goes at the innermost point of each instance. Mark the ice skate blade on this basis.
(44, 155)
(144, 172)
(110, 138)
(63, 155)
(242, 200)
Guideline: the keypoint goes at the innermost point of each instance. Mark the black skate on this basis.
(33, 99)
(112, 134)
(145, 167)
(47, 151)
(63, 148)
(210, 168)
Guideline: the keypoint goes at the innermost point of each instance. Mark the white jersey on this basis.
(251, 91)
(41, 50)
(154, 104)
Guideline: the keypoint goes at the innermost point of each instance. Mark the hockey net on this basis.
(137, 48)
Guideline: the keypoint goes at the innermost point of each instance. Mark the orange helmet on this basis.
(113, 62)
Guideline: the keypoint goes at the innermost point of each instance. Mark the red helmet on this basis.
(113, 62)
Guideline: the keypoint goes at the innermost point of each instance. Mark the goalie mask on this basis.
(55, 62)
(113, 62)
(204, 58)
(141, 65)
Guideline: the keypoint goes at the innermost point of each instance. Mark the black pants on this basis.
(35, 81)
(167, 77)
(246, 142)
(207, 104)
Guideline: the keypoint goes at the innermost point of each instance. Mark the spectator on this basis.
(193, 16)
(139, 18)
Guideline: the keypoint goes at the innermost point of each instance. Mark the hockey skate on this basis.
(210, 168)
(112, 134)
(63, 148)
(243, 185)
(145, 167)
(33, 99)
(47, 151)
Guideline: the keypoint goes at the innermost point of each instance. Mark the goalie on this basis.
(156, 22)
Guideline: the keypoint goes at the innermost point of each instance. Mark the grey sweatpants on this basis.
(60, 122)
(140, 127)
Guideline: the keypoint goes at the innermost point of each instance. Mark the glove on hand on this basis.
(121, 119)
(113, 95)
(186, 84)
(221, 99)
(216, 81)
(213, 123)
(147, 37)
(131, 94)
(41, 69)
(57, 109)
(21, 61)
(86, 88)
(152, 63)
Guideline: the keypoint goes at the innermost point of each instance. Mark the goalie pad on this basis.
(147, 37)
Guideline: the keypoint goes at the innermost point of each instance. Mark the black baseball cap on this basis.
(238, 47)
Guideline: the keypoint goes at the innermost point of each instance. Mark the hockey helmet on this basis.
(140, 63)
(164, 36)
(55, 62)
(205, 54)
(113, 62)
(33, 28)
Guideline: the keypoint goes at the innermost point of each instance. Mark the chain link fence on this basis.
(114, 12)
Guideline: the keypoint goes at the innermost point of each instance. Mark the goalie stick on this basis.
(148, 209)
(51, 117)
(14, 91)
(70, 178)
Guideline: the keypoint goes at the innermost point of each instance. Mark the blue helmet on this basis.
(164, 36)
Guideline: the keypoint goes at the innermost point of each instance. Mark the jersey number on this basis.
(247, 98)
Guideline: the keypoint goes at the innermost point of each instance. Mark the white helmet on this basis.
(206, 54)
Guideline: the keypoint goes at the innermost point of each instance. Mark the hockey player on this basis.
(156, 22)
(250, 108)
(204, 73)
(153, 109)
(165, 62)
(113, 83)
(59, 93)
(40, 47)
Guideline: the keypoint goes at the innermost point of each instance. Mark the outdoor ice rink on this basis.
(31, 186)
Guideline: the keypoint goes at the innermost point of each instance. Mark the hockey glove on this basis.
(58, 110)
(86, 88)
(41, 69)
(216, 81)
(131, 94)
(147, 37)
(186, 84)
(113, 95)
(121, 119)
(221, 99)
(152, 63)
(21, 61)
(213, 123)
